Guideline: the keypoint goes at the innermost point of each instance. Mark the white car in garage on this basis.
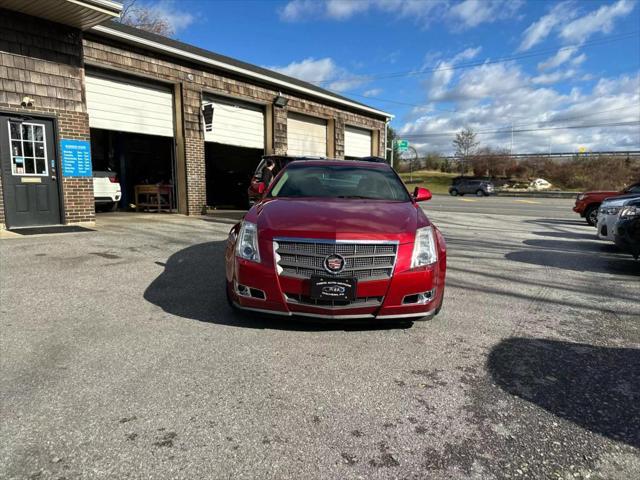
(106, 189)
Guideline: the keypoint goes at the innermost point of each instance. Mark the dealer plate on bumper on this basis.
(323, 288)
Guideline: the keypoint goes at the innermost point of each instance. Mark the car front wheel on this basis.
(479, 193)
(591, 215)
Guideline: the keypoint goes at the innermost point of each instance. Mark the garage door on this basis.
(235, 123)
(357, 142)
(306, 135)
(126, 106)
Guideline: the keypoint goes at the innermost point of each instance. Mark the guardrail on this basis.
(538, 194)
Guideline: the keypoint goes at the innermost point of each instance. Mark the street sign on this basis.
(403, 145)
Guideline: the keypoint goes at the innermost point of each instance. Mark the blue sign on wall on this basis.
(76, 158)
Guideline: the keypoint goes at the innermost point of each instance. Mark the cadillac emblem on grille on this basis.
(334, 263)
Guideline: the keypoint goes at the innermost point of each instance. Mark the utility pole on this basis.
(393, 143)
(415, 153)
(511, 149)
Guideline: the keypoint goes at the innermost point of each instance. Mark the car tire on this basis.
(591, 215)
(230, 302)
(113, 207)
(453, 192)
(439, 307)
(479, 193)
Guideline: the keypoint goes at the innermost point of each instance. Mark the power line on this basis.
(524, 130)
(509, 58)
(576, 117)
(418, 105)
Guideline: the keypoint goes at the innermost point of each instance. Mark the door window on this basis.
(28, 149)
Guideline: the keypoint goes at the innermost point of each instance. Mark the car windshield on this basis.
(337, 181)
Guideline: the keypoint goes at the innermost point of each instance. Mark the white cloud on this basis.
(444, 72)
(324, 72)
(460, 15)
(472, 13)
(298, 10)
(374, 92)
(579, 60)
(541, 28)
(555, 77)
(563, 55)
(492, 96)
(600, 20)
(341, 9)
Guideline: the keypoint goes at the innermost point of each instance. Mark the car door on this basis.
(29, 173)
(468, 187)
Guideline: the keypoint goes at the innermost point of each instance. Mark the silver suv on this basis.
(481, 188)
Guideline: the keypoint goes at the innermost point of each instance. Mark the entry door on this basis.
(29, 175)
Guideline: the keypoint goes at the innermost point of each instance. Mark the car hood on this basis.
(602, 193)
(339, 219)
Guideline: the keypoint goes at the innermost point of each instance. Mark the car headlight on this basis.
(609, 210)
(630, 211)
(424, 248)
(247, 244)
(580, 196)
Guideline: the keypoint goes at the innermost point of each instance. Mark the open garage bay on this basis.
(121, 359)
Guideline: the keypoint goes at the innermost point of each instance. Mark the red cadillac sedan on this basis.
(337, 239)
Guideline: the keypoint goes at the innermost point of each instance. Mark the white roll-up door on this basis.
(306, 135)
(357, 142)
(127, 106)
(235, 123)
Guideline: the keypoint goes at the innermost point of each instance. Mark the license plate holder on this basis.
(326, 288)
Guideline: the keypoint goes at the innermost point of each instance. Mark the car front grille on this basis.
(303, 258)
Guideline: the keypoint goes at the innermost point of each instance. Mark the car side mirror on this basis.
(421, 194)
(261, 187)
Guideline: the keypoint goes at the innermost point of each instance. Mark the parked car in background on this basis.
(337, 239)
(256, 186)
(608, 215)
(627, 228)
(587, 203)
(480, 188)
(106, 189)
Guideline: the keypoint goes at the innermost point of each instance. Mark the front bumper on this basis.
(377, 299)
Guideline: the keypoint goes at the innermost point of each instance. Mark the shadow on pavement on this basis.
(579, 262)
(571, 235)
(559, 221)
(593, 245)
(597, 388)
(192, 286)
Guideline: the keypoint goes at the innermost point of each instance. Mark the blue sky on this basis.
(441, 65)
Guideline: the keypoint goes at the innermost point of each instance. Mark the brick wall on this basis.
(43, 60)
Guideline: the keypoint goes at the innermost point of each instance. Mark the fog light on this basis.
(419, 298)
(245, 291)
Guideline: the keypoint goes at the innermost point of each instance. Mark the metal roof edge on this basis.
(245, 69)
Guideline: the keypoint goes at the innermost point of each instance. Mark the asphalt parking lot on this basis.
(120, 359)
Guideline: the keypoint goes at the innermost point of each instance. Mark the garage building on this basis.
(82, 94)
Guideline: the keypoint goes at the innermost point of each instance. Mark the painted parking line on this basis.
(467, 200)
(527, 201)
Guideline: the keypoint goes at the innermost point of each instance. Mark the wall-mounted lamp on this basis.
(27, 102)
(280, 101)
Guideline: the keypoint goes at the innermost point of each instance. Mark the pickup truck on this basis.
(587, 203)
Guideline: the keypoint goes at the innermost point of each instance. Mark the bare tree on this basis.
(465, 143)
(146, 18)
